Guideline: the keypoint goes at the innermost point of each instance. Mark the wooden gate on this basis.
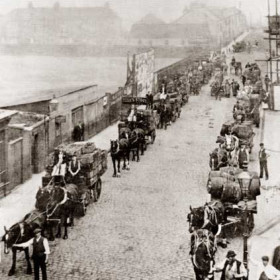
(15, 162)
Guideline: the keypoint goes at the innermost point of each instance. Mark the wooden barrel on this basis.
(254, 189)
(226, 175)
(213, 174)
(231, 192)
(215, 187)
(231, 170)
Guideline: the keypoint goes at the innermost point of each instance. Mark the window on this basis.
(57, 129)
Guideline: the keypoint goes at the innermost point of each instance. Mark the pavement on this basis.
(21, 201)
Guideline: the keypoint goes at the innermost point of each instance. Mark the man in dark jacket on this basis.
(41, 251)
(263, 155)
(231, 268)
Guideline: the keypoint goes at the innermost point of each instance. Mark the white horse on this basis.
(231, 145)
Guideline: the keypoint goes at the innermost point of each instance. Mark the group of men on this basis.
(231, 268)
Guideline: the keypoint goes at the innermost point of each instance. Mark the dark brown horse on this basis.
(22, 232)
(62, 205)
(203, 249)
(210, 216)
(120, 150)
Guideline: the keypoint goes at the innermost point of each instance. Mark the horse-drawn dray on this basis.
(223, 185)
(92, 165)
(72, 182)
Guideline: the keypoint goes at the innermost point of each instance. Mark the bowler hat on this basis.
(265, 258)
(261, 144)
(37, 230)
(231, 254)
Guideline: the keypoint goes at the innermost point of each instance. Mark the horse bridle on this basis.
(5, 242)
(117, 150)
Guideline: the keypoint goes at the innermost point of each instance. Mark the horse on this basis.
(163, 117)
(120, 151)
(140, 136)
(231, 144)
(203, 249)
(218, 159)
(22, 232)
(210, 216)
(61, 207)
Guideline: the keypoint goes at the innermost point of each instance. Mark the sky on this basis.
(133, 10)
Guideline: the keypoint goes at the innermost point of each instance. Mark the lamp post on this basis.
(245, 181)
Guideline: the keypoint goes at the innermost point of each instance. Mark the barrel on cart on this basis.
(223, 186)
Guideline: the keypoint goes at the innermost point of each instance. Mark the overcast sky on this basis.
(132, 10)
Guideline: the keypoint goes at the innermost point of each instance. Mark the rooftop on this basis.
(26, 119)
(6, 114)
(47, 95)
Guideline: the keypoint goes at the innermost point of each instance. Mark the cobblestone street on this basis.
(138, 229)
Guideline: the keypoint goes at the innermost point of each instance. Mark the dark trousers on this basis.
(40, 262)
(263, 167)
(266, 87)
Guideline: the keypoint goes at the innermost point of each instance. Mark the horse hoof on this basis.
(11, 273)
(114, 175)
(65, 237)
(138, 160)
(51, 239)
(57, 236)
(127, 168)
(29, 271)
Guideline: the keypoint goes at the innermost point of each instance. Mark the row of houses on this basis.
(30, 130)
(199, 24)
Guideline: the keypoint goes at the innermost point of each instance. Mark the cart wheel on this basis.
(97, 190)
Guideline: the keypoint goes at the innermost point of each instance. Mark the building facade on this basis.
(60, 26)
(27, 146)
(5, 117)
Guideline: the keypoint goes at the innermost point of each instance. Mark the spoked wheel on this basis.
(97, 190)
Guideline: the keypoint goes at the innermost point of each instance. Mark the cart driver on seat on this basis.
(59, 170)
(74, 169)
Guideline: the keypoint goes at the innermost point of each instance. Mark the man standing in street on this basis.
(40, 254)
(231, 268)
(263, 155)
(266, 81)
(265, 271)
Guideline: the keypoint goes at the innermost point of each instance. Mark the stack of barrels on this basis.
(224, 185)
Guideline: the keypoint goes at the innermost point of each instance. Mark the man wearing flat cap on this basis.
(231, 268)
(265, 271)
(40, 254)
